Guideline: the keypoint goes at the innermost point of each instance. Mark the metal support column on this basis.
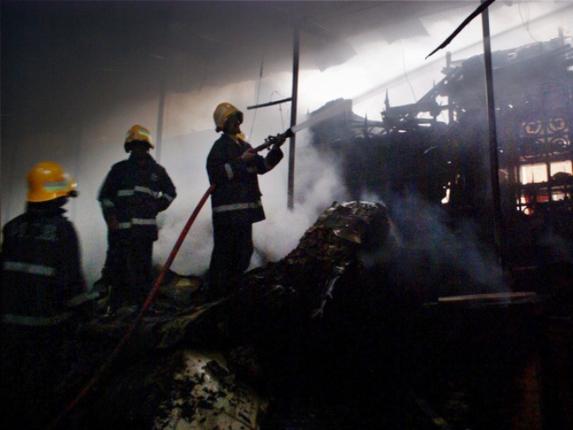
(295, 61)
(160, 116)
(493, 144)
(450, 100)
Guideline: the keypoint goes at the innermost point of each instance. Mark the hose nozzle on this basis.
(277, 140)
(287, 134)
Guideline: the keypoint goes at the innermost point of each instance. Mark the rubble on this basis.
(261, 356)
(179, 290)
(206, 396)
(175, 364)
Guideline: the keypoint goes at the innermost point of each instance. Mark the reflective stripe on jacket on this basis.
(237, 197)
(35, 321)
(135, 194)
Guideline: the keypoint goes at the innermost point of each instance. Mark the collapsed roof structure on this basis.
(341, 311)
(437, 146)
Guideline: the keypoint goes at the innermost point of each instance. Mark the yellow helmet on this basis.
(137, 133)
(222, 113)
(48, 181)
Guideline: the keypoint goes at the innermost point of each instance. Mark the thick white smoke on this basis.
(317, 184)
(88, 150)
(184, 153)
(88, 147)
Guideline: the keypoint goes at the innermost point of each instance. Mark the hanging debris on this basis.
(434, 149)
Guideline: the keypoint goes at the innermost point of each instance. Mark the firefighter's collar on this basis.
(148, 158)
(235, 137)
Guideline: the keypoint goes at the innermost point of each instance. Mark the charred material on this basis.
(256, 328)
(437, 147)
(331, 313)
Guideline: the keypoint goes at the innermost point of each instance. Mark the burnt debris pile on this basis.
(190, 359)
(325, 338)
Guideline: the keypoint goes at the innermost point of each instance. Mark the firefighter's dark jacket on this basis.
(135, 195)
(237, 197)
(41, 272)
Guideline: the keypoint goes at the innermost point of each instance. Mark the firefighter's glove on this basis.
(274, 156)
(161, 204)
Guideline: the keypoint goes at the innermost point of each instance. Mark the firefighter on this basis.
(133, 193)
(42, 284)
(232, 166)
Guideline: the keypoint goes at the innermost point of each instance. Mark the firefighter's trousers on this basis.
(232, 250)
(128, 266)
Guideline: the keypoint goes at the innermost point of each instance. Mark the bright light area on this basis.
(401, 68)
(561, 166)
(533, 173)
(537, 173)
(446, 198)
(378, 66)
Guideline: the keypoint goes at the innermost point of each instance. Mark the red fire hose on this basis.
(272, 140)
(148, 301)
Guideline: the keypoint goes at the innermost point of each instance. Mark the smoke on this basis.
(102, 81)
(184, 155)
(440, 250)
(333, 109)
(317, 184)
(89, 149)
